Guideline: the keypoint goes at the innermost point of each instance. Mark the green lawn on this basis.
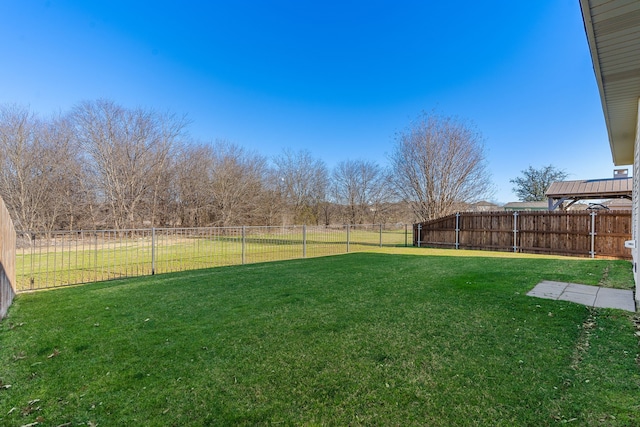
(359, 339)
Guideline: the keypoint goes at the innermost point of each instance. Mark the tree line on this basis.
(102, 165)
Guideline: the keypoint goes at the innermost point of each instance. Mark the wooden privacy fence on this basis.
(7, 260)
(575, 233)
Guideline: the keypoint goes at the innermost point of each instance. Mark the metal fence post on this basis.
(593, 234)
(244, 241)
(380, 235)
(153, 251)
(406, 235)
(32, 280)
(348, 226)
(515, 231)
(457, 230)
(304, 241)
(95, 256)
(419, 234)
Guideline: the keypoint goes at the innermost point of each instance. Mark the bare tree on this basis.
(273, 206)
(221, 184)
(438, 162)
(68, 196)
(361, 188)
(128, 151)
(193, 185)
(302, 181)
(237, 184)
(327, 212)
(20, 153)
(39, 168)
(533, 183)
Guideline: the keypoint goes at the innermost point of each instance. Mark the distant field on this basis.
(73, 258)
(359, 339)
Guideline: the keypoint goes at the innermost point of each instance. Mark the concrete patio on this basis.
(593, 296)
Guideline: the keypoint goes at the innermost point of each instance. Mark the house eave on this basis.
(614, 45)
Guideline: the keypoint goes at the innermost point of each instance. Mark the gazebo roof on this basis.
(592, 188)
(613, 188)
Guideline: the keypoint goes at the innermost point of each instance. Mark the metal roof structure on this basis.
(613, 31)
(573, 191)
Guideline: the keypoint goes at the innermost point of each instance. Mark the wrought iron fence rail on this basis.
(61, 258)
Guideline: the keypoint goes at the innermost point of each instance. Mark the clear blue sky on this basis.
(338, 78)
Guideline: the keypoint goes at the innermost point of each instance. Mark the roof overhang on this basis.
(613, 32)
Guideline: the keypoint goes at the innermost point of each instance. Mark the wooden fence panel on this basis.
(577, 233)
(617, 231)
(485, 230)
(439, 233)
(7, 260)
(563, 233)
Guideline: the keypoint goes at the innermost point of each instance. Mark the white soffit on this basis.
(613, 31)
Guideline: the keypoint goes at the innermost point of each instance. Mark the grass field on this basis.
(358, 339)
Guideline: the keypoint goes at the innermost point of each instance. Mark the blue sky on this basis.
(336, 78)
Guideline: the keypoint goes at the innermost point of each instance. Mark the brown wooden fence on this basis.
(598, 234)
(7, 260)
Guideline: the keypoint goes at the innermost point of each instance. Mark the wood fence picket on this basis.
(598, 234)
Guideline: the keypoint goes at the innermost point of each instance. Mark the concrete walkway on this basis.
(593, 296)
